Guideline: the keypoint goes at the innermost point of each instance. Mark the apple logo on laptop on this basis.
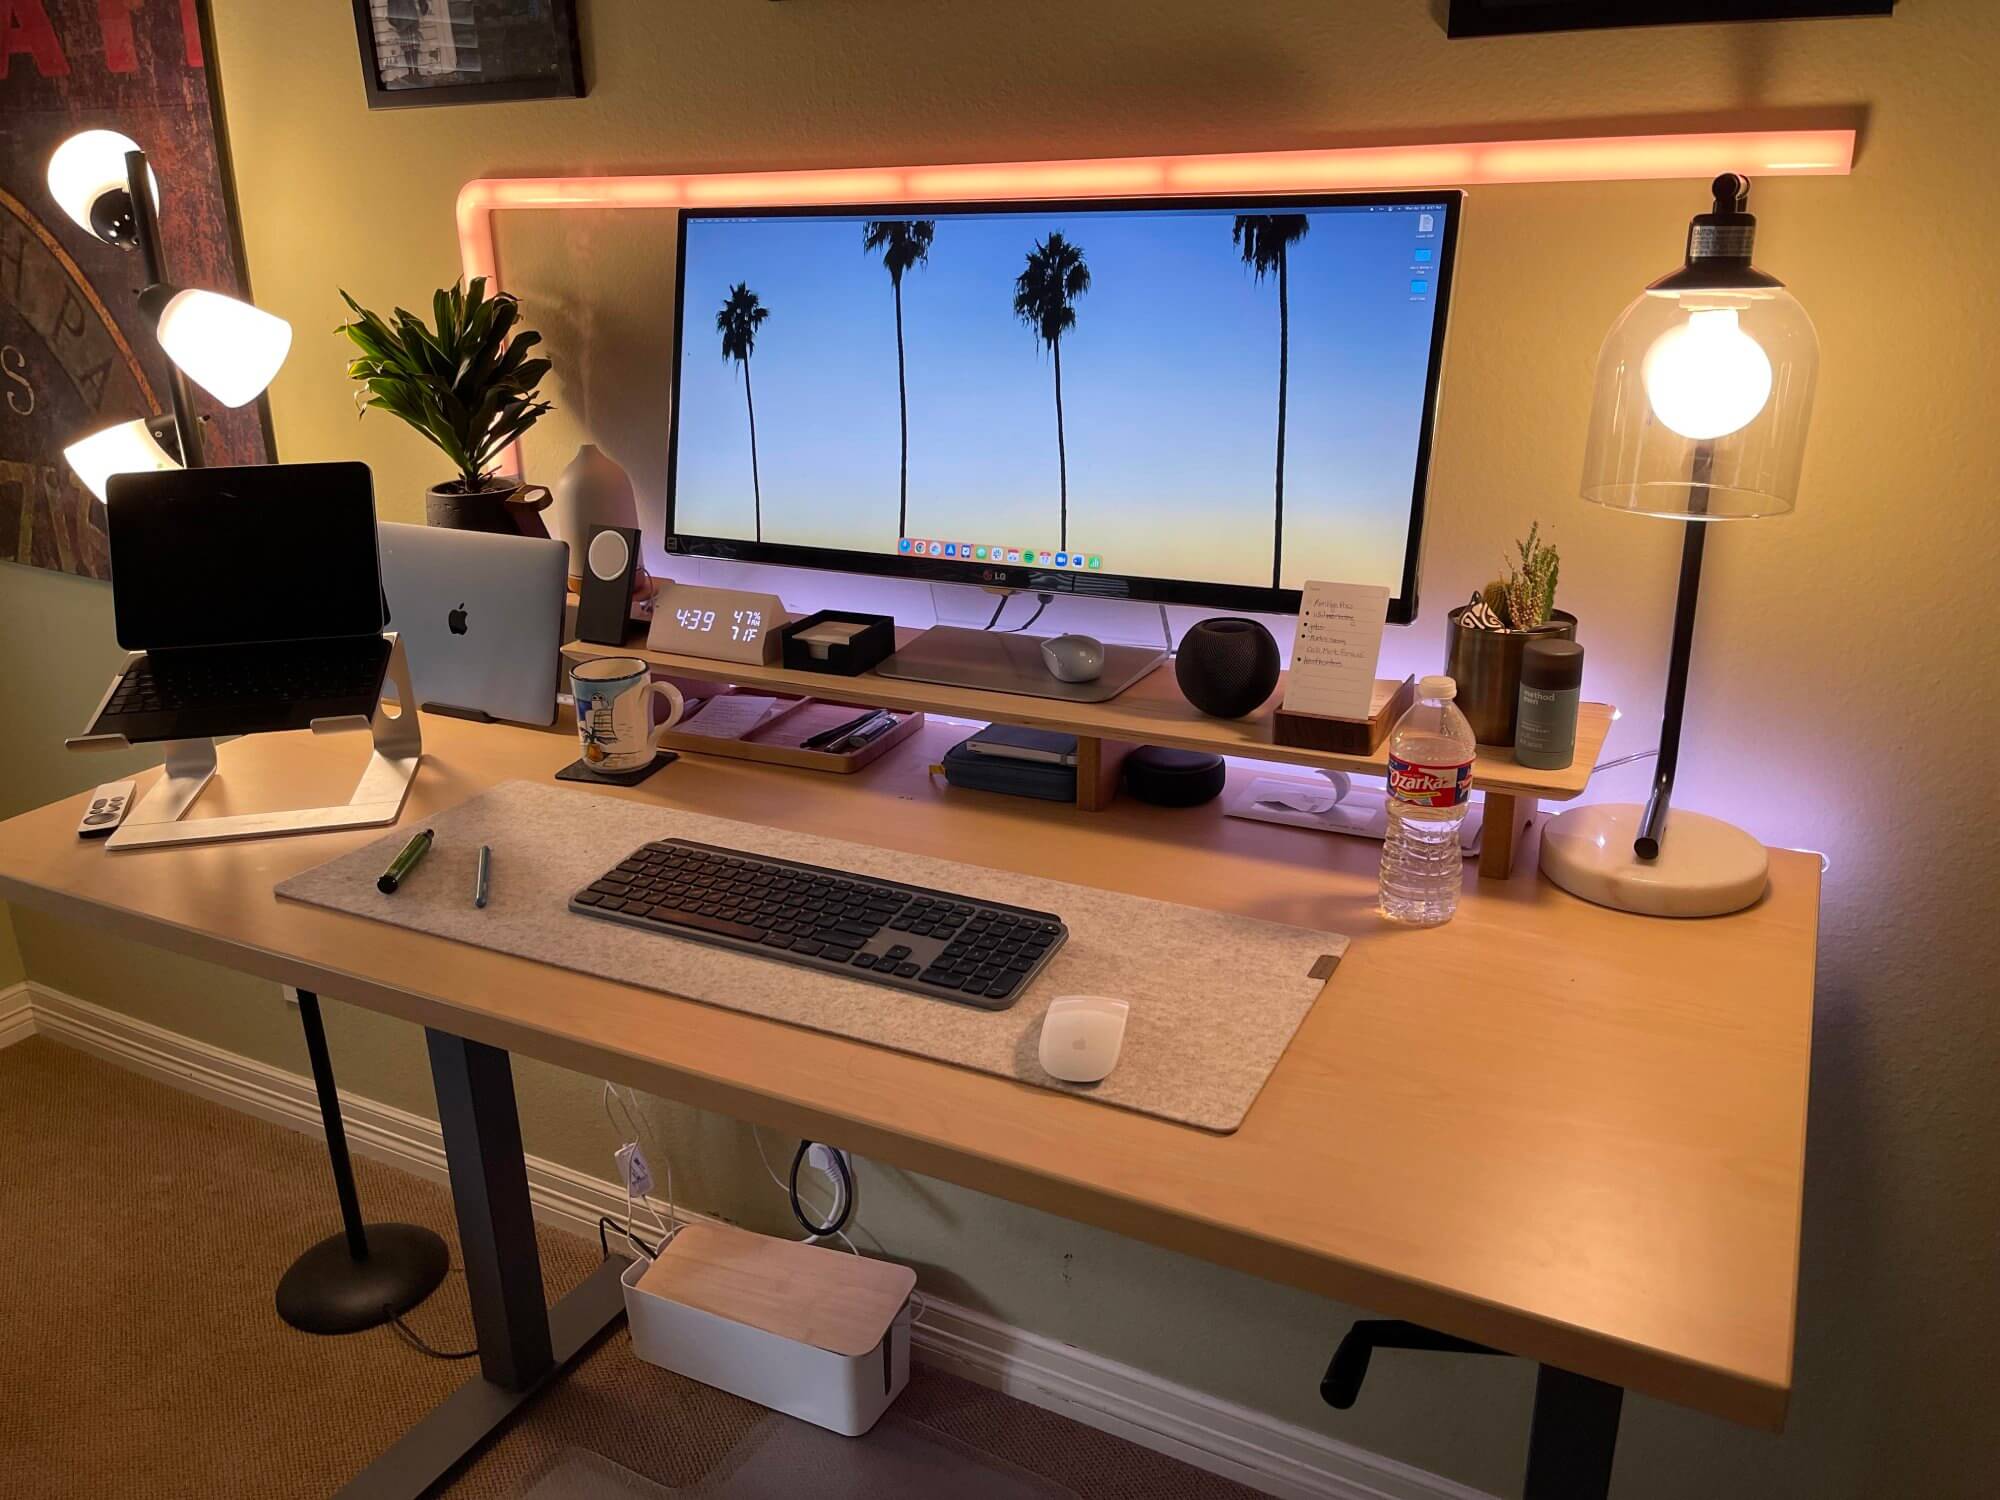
(455, 621)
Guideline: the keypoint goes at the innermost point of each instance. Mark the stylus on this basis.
(482, 878)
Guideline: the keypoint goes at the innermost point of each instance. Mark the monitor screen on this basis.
(1203, 400)
(266, 552)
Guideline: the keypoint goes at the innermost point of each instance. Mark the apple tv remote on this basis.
(106, 810)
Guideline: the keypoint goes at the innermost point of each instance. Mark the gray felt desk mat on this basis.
(1215, 997)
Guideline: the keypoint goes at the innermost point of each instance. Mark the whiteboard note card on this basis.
(1334, 653)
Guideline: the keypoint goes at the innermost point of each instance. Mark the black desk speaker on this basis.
(610, 557)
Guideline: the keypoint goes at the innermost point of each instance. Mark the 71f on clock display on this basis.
(722, 624)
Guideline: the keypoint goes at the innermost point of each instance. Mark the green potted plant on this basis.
(465, 385)
(1486, 637)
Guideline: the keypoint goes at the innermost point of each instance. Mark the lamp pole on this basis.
(1653, 822)
(146, 230)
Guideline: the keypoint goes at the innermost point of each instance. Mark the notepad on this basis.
(1334, 653)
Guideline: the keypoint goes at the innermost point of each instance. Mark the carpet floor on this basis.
(142, 1230)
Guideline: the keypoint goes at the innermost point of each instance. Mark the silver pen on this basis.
(482, 880)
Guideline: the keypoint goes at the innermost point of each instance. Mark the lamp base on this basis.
(328, 1291)
(1706, 867)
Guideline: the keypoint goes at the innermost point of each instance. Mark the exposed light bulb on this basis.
(229, 348)
(1707, 378)
(128, 448)
(88, 165)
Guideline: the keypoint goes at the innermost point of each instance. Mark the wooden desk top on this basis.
(1568, 1132)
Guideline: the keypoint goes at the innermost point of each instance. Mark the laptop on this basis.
(480, 617)
(254, 596)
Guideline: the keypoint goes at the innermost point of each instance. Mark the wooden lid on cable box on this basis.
(826, 1298)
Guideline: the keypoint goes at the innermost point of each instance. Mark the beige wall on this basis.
(1831, 642)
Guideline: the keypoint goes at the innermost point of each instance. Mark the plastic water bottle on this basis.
(1430, 778)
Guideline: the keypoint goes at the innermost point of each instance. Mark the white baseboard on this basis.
(17, 1013)
(1201, 1430)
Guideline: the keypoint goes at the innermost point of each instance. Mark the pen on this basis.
(827, 736)
(400, 867)
(867, 727)
(866, 735)
(482, 879)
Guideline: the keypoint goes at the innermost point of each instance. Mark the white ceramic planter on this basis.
(593, 491)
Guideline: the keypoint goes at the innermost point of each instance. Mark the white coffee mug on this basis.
(614, 712)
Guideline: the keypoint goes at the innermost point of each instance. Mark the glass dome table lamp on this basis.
(1704, 393)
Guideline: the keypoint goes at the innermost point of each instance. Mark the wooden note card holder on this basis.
(1347, 736)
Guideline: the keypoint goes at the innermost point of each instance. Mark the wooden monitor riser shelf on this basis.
(1153, 712)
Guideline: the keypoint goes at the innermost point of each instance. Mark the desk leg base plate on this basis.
(471, 1416)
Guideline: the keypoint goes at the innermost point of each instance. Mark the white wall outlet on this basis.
(633, 1170)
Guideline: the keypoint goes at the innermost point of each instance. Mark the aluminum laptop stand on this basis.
(159, 818)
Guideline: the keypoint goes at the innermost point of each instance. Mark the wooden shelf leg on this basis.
(1099, 764)
(1508, 816)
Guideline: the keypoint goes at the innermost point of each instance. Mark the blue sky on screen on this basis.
(1170, 387)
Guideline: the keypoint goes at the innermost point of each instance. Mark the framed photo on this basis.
(1511, 17)
(420, 52)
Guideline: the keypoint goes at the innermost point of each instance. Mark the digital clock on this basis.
(722, 624)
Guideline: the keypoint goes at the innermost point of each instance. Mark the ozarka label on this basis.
(1430, 786)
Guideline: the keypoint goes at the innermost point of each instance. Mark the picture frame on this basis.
(420, 53)
(1474, 18)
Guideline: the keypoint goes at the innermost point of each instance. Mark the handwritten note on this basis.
(1334, 653)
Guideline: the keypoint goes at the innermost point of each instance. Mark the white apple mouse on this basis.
(1081, 1035)
(1073, 658)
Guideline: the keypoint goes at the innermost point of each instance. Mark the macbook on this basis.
(480, 617)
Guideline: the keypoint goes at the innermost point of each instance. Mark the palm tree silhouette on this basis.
(1263, 239)
(903, 243)
(1045, 296)
(738, 321)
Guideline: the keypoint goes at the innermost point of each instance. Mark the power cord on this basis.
(844, 1208)
(417, 1342)
(790, 1190)
(1043, 601)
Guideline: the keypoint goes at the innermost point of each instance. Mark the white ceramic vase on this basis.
(592, 491)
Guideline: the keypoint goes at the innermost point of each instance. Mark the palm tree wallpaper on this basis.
(741, 315)
(1264, 239)
(1183, 444)
(903, 244)
(1045, 296)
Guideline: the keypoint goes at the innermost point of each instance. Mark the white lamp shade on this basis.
(229, 348)
(128, 448)
(1702, 403)
(88, 165)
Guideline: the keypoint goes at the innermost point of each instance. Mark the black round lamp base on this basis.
(328, 1291)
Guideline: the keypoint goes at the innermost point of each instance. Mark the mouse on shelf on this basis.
(1073, 658)
(1081, 1037)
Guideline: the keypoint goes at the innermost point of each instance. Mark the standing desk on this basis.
(1550, 1129)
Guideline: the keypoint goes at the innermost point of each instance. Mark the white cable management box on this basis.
(817, 1334)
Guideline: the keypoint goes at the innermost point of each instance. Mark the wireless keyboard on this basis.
(930, 942)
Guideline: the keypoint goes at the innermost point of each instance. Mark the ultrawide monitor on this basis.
(1204, 401)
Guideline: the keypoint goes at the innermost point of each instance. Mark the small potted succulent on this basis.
(1486, 638)
(469, 388)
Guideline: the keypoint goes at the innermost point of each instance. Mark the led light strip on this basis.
(1759, 153)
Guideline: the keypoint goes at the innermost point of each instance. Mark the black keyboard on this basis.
(304, 672)
(934, 943)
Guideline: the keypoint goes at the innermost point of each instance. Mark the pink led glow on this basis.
(1768, 153)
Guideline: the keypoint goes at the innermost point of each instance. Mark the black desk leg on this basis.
(522, 1347)
(1570, 1444)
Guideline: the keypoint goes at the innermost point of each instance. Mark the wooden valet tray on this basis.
(1347, 736)
(777, 743)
